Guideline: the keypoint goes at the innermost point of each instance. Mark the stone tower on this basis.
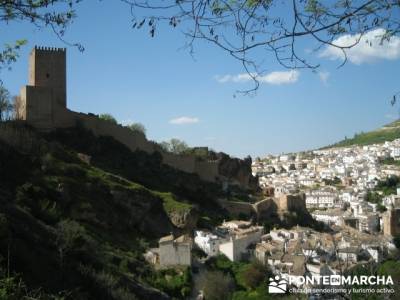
(44, 99)
(391, 222)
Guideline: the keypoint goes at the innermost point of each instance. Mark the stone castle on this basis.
(43, 105)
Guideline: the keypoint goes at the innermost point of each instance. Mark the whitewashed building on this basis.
(207, 242)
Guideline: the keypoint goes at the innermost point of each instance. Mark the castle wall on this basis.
(19, 137)
(43, 105)
(291, 202)
(132, 139)
(391, 222)
(264, 208)
(184, 163)
(236, 208)
(137, 141)
(207, 170)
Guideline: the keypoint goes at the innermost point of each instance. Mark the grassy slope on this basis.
(52, 201)
(388, 132)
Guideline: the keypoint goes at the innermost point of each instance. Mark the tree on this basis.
(137, 127)
(253, 30)
(70, 236)
(248, 30)
(5, 104)
(175, 146)
(108, 118)
(55, 14)
(16, 100)
(178, 146)
(216, 285)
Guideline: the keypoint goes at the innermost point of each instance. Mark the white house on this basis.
(207, 242)
(239, 240)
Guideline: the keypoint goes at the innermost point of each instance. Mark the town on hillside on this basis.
(353, 191)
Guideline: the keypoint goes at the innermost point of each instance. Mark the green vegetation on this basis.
(374, 197)
(335, 181)
(175, 146)
(217, 285)
(389, 132)
(390, 161)
(389, 185)
(392, 268)
(76, 231)
(108, 118)
(176, 283)
(171, 204)
(142, 168)
(249, 278)
(383, 188)
(138, 127)
(6, 106)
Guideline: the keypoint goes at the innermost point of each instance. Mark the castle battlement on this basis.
(52, 49)
(43, 105)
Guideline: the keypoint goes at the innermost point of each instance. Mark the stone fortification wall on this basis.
(137, 141)
(132, 139)
(295, 202)
(236, 208)
(207, 170)
(186, 163)
(43, 105)
(19, 137)
(265, 208)
(261, 209)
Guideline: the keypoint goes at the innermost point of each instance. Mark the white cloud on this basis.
(370, 47)
(324, 76)
(276, 78)
(184, 120)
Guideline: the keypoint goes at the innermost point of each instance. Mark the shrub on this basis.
(137, 127)
(109, 118)
(216, 285)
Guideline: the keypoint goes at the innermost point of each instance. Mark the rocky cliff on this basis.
(237, 171)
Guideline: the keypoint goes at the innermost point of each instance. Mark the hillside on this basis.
(78, 211)
(75, 226)
(388, 132)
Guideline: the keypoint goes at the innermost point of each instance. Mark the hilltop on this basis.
(388, 132)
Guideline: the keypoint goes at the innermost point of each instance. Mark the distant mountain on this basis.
(388, 132)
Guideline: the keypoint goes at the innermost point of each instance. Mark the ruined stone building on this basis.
(43, 105)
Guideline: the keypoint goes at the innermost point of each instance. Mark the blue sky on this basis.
(153, 81)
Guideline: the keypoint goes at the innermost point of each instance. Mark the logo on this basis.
(277, 285)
